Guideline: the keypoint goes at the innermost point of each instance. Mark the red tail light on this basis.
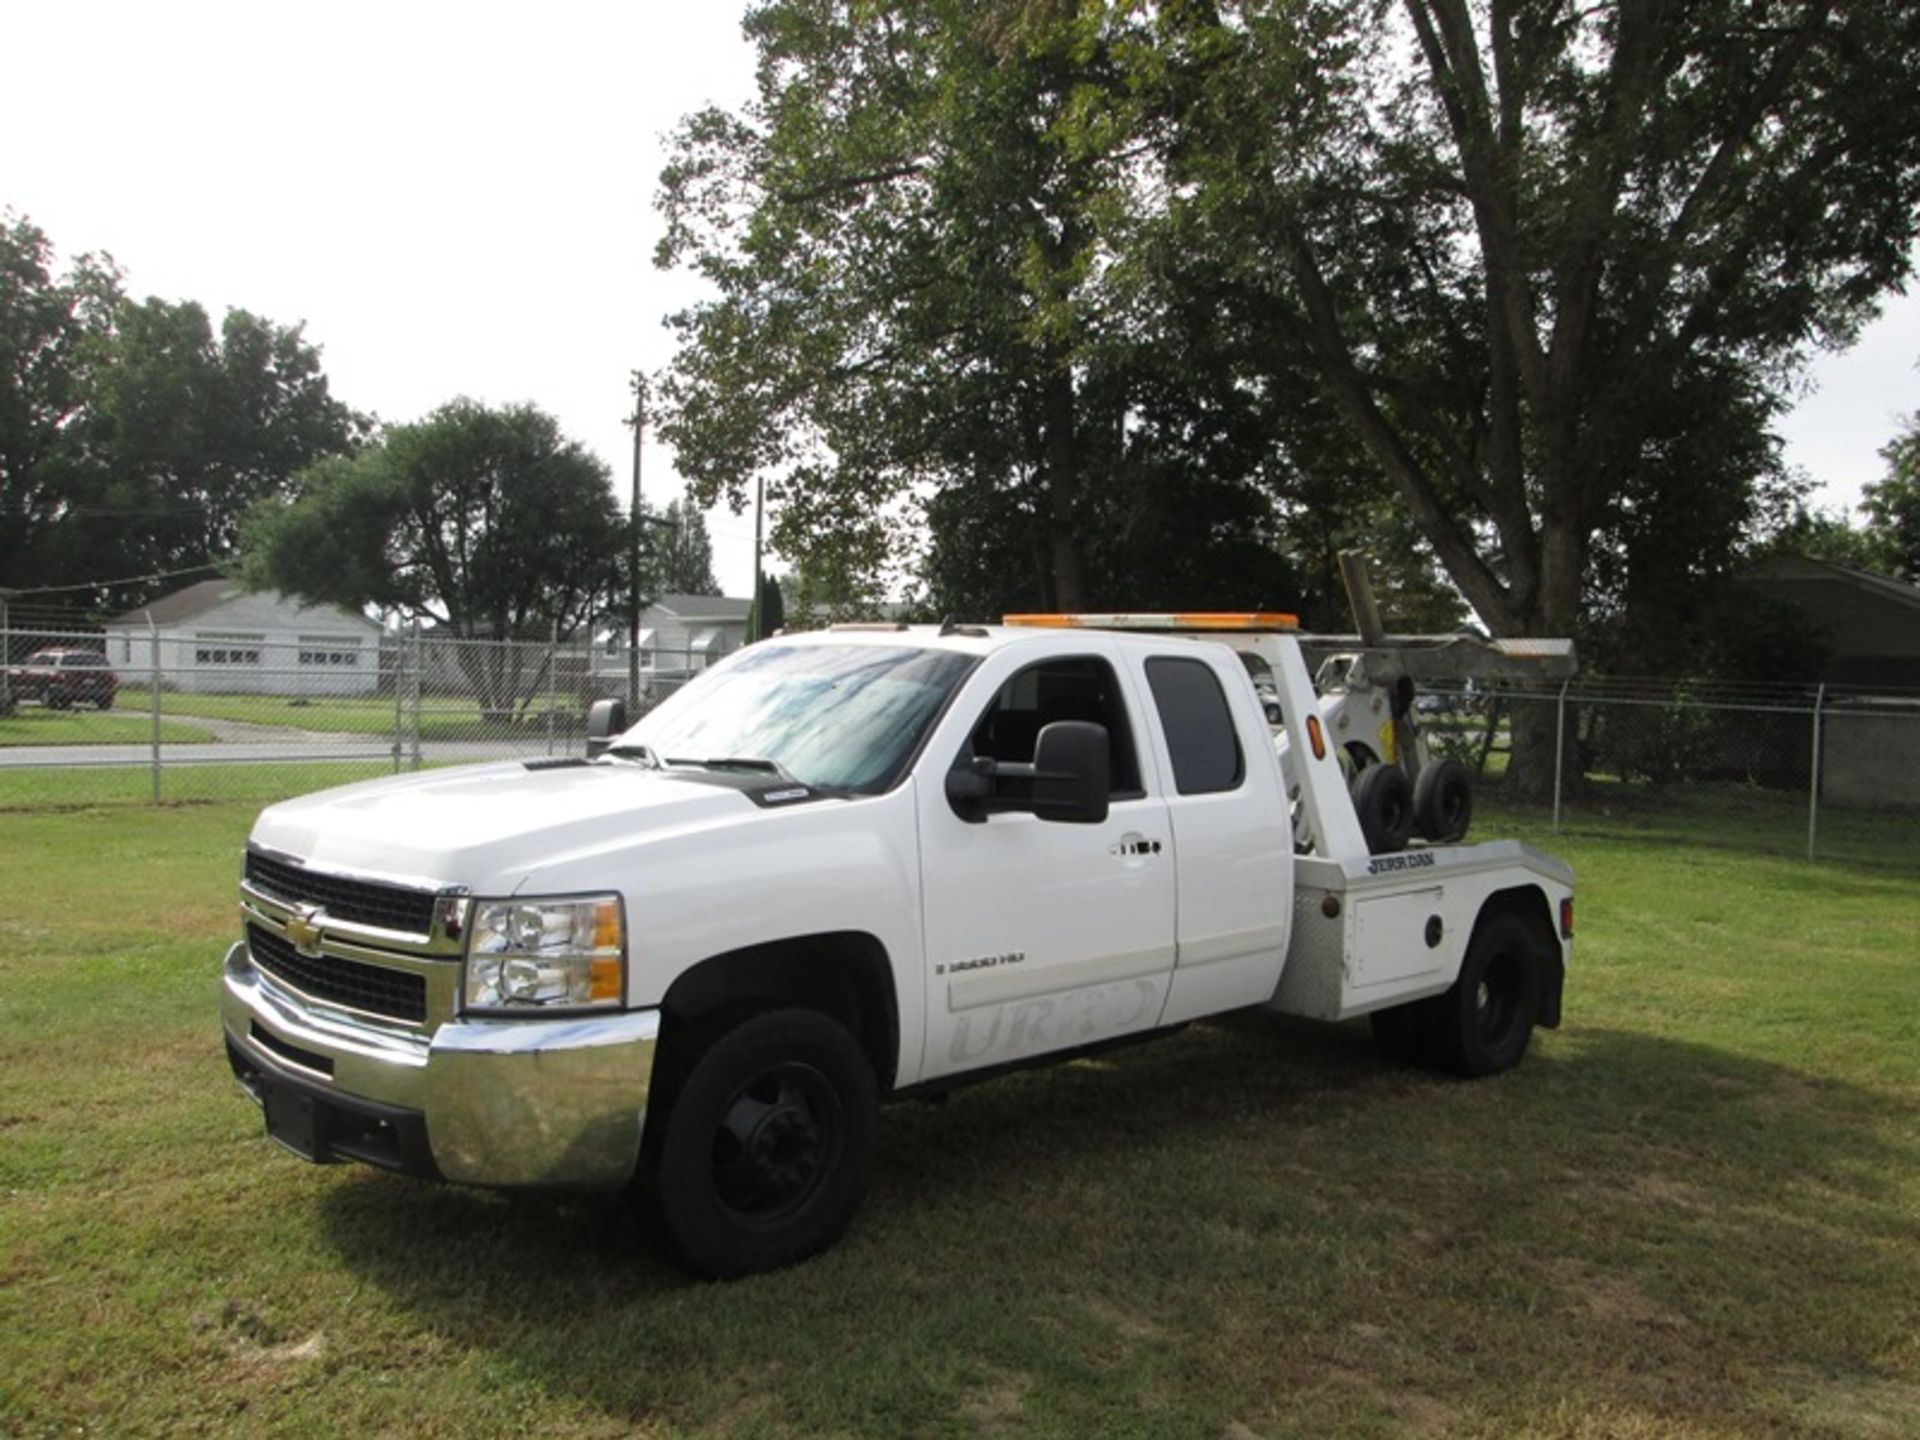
(1566, 918)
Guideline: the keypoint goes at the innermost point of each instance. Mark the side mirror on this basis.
(605, 719)
(1070, 773)
(1066, 783)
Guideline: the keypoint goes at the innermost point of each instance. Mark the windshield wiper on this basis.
(756, 763)
(636, 751)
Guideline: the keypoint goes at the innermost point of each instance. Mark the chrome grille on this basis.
(397, 994)
(362, 902)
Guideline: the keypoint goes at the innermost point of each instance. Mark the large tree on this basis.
(909, 233)
(132, 435)
(1079, 276)
(488, 522)
(1555, 263)
(53, 333)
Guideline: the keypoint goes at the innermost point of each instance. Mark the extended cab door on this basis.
(1230, 829)
(1043, 935)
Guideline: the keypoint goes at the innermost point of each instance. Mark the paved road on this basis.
(286, 748)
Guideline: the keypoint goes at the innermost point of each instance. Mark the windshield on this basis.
(844, 717)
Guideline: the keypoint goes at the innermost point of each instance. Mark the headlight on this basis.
(547, 954)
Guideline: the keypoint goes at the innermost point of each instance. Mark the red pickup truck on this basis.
(61, 679)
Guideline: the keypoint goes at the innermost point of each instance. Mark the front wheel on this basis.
(767, 1145)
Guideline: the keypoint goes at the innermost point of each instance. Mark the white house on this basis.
(679, 634)
(218, 637)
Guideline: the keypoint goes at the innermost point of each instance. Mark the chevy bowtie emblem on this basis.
(303, 929)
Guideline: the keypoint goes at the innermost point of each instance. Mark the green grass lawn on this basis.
(1694, 1211)
(441, 717)
(1726, 816)
(25, 790)
(36, 725)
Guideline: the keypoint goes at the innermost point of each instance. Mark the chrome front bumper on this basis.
(548, 1103)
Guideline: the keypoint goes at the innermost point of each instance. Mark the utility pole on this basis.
(639, 383)
(6, 655)
(759, 583)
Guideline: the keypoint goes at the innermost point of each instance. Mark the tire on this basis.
(104, 702)
(1383, 798)
(1443, 801)
(767, 1146)
(1483, 1024)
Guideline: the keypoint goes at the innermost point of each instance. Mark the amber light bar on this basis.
(1199, 620)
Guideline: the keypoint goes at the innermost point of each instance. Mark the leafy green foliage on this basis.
(1823, 535)
(51, 340)
(683, 551)
(1167, 305)
(132, 435)
(769, 613)
(1892, 505)
(488, 522)
(913, 231)
(1552, 265)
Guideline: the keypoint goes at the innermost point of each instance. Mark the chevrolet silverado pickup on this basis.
(836, 868)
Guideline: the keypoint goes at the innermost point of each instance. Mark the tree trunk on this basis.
(1552, 614)
(1069, 578)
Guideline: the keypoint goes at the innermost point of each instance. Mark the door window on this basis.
(1079, 688)
(1200, 736)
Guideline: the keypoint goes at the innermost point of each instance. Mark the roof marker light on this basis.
(1196, 620)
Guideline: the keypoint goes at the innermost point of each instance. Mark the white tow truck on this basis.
(838, 867)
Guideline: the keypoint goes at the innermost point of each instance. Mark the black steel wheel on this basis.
(776, 1142)
(767, 1145)
(1383, 799)
(1483, 1024)
(1443, 801)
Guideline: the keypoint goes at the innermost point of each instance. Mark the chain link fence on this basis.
(1818, 771)
(128, 714)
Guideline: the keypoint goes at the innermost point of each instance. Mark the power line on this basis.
(102, 584)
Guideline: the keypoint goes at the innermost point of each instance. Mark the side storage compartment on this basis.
(1456, 954)
(1361, 943)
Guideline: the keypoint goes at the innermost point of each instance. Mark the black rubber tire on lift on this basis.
(1482, 1025)
(1383, 798)
(767, 1145)
(1443, 801)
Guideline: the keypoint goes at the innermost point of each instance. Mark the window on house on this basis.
(334, 650)
(218, 649)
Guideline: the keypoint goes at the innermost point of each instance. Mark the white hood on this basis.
(484, 826)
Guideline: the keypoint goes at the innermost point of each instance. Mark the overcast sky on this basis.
(457, 199)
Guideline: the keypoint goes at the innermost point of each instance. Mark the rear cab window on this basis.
(1201, 739)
